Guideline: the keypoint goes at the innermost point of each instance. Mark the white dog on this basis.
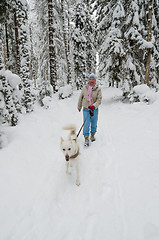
(70, 148)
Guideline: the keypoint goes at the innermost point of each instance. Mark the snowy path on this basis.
(119, 194)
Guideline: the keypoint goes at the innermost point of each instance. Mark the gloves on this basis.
(91, 110)
(91, 107)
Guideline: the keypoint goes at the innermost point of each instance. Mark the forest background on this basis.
(52, 46)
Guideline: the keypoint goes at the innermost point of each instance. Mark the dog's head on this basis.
(67, 148)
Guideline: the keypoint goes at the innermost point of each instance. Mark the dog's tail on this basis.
(70, 127)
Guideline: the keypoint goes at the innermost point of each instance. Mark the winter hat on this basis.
(92, 76)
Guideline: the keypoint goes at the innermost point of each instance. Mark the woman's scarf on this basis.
(89, 95)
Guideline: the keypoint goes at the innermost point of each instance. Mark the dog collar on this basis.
(75, 155)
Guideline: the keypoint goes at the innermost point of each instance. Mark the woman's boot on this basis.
(86, 141)
(92, 137)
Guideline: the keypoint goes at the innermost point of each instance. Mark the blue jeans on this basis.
(90, 122)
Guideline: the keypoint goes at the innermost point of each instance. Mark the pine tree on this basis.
(135, 42)
(8, 111)
(52, 53)
(103, 20)
(66, 36)
(62, 66)
(136, 34)
(49, 47)
(79, 41)
(149, 38)
(112, 48)
(33, 59)
(22, 18)
(4, 115)
(90, 40)
(40, 37)
(152, 46)
(17, 51)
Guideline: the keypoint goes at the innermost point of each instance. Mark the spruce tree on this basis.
(66, 37)
(135, 34)
(49, 47)
(7, 109)
(52, 52)
(90, 40)
(112, 48)
(4, 115)
(153, 50)
(103, 10)
(83, 39)
(22, 17)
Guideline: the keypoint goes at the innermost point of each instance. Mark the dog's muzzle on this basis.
(67, 157)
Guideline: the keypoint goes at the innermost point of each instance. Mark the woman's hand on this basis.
(91, 107)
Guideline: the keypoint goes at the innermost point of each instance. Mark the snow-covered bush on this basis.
(46, 101)
(4, 114)
(142, 93)
(14, 81)
(65, 92)
(45, 91)
(10, 103)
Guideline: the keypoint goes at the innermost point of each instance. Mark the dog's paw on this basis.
(78, 183)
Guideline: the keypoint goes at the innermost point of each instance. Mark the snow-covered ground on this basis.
(118, 198)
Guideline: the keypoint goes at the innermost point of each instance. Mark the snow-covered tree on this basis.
(83, 39)
(138, 45)
(15, 57)
(112, 50)
(4, 116)
(153, 45)
(122, 26)
(9, 43)
(135, 38)
(103, 12)
(79, 40)
(149, 38)
(22, 18)
(49, 47)
(90, 40)
(8, 111)
(52, 53)
(66, 37)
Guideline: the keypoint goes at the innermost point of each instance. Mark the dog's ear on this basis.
(62, 140)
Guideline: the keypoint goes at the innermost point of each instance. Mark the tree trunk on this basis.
(66, 45)
(149, 37)
(52, 53)
(32, 59)
(6, 54)
(17, 43)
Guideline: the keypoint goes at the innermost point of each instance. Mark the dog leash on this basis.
(82, 125)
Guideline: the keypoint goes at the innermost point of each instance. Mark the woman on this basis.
(90, 99)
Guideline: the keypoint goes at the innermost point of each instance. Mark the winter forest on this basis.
(48, 50)
(51, 46)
